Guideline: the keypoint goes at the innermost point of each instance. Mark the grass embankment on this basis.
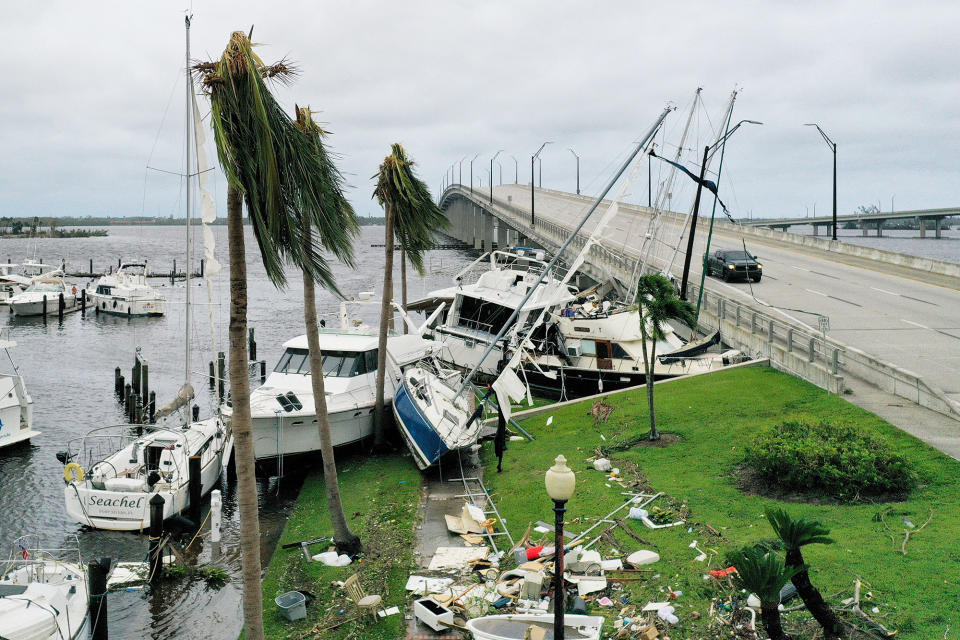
(715, 416)
(380, 498)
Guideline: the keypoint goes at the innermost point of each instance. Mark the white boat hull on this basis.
(16, 412)
(287, 434)
(35, 307)
(52, 604)
(118, 306)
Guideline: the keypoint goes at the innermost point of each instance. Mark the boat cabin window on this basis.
(588, 347)
(336, 364)
(481, 315)
(45, 287)
(104, 290)
(620, 352)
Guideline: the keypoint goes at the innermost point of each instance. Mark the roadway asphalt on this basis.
(910, 323)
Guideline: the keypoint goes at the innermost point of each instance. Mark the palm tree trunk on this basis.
(770, 616)
(240, 422)
(345, 540)
(811, 597)
(403, 284)
(648, 371)
(379, 419)
(654, 432)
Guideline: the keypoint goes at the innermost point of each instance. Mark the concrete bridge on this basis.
(847, 318)
(925, 216)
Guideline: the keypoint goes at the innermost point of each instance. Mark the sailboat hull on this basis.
(423, 441)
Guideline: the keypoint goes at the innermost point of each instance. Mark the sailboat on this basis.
(113, 473)
(431, 409)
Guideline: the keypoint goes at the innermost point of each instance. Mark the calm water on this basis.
(946, 248)
(68, 370)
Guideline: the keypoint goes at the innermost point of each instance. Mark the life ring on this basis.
(73, 472)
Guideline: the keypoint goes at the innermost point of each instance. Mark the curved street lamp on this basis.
(833, 147)
(560, 482)
(494, 157)
(533, 159)
(471, 172)
(516, 170)
(578, 168)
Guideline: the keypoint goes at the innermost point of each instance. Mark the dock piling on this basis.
(252, 346)
(196, 483)
(156, 532)
(127, 393)
(221, 373)
(44, 309)
(212, 380)
(263, 371)
(144, 380)
(61, 304)
(83, 302)
(97, 572)
(196, 412)
(153, 407)
(117, 382)
(216, 504)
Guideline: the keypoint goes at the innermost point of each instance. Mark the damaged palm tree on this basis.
(796, 533)
(764, 573)
(338, 231)
(657, 302)
(276, 171)
(411, 217)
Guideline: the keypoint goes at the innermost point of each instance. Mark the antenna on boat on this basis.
(556, 256)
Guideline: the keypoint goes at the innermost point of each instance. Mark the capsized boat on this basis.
(520, 626)
(43, 294)
(127, 292)
(282, 409)
(43, 597)
(16, 405)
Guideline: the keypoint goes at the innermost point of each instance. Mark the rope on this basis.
(187, 548)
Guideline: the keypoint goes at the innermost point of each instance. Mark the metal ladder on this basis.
(476, 492)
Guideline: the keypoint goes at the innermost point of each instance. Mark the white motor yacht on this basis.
(127, 293)
(43, 295)
(43, 597)
(284, 419)
(16, 406)
(15, 278)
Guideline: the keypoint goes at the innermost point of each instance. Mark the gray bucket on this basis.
(293, 605)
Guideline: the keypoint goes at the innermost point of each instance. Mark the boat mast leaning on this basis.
(189, 265)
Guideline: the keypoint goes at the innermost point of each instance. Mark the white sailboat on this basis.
(42, 596)
(112, 473)
(16, 406)
(433, 422)
(127, 293)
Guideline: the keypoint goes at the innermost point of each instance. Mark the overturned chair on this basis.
(365, 603)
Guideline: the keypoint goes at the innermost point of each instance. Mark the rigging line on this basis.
(179, 173)
(156, 139)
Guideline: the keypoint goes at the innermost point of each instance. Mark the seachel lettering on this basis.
(124, 502)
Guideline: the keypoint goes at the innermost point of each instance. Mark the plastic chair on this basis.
(365, 603)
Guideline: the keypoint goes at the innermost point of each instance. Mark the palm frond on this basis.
(763, 572)
(658, 303)
(416, 216)
(280, 171)
(797, 532)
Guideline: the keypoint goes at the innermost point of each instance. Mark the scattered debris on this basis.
(909, 531)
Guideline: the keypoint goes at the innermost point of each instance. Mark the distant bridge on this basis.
(877, 219)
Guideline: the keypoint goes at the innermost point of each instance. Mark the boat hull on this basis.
(35, 307)
(423, 441)
(117, 306)
(287, 435)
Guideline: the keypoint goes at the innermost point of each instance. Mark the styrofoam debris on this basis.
(642, 557)
(422, 585)
(332, 559)
(602, 464)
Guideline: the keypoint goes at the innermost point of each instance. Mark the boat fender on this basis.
(73, 472)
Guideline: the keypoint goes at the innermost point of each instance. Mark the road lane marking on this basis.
(919, 300)
(847, 301)
(800, 268)
(825, 275)
(884, 291)
(916, 324)
(819, 293)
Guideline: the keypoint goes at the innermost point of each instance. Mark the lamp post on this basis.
(578, 168)
(560, 482)
(833, 147)
(516, 170)
(533, 159)
(540, 171)
(494, 157)
(460, 170)
(696, 206)
(500, 167)
(471, 172)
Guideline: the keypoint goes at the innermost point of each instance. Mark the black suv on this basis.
(731, 265)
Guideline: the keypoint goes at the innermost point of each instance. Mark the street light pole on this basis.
(500, 166)
(540, 170)
(533, 159)
(471, 172)
(494, 157)
(578, 168)
(833, 147)
(460, 178)
(516, 170)
(560, 482)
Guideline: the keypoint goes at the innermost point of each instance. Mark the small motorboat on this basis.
(520, 626)
(43, 296)
(16, 406)
(41, 596)
(127, 293)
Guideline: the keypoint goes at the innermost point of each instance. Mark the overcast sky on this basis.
(93, 92)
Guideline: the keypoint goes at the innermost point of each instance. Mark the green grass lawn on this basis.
(380, 496)
(715, 416)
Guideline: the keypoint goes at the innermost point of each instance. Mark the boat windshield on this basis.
(336, 364)
(45, 287)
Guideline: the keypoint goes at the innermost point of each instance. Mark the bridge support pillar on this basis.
(477, 222)
(938, 228)
(863, 228)
(816, 229)
(923, 227)
(496, 230)
(879, 228)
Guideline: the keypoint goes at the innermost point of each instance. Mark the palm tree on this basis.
(277, 172)
(412, 217)
(796, 533)
(341, 218)
(764, 573)
(657, 302)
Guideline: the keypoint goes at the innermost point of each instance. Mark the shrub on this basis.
(836, 460)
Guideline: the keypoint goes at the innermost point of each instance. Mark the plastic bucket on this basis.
(293, 605)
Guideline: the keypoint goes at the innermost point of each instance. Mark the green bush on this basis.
(833, 460)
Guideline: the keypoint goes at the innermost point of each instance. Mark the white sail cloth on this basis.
(508, 386)
(183, 398)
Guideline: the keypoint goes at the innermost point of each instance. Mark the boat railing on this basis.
(92, 451)
(27, 553)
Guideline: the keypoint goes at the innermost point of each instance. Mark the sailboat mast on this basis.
(187, 136)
